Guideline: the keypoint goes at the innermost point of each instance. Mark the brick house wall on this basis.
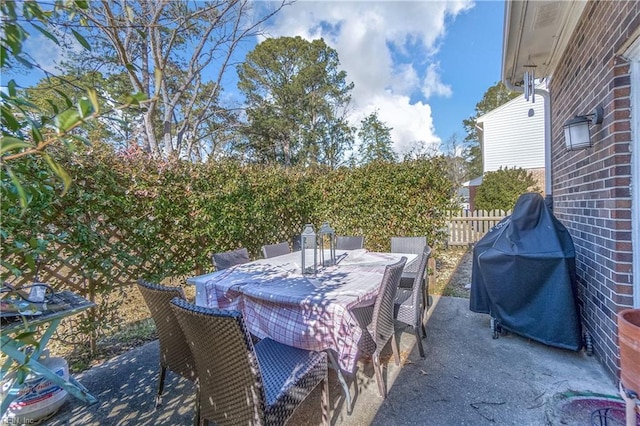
(591, 187)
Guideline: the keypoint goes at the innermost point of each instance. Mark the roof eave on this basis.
(536, 33)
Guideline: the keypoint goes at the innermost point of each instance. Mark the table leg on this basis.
(341, 379)
(35, 366)
(6, 341)
(6, 365)
(11, 349)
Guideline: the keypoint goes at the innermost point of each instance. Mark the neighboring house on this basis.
(512, 135)
(472, 186)
(590, 54)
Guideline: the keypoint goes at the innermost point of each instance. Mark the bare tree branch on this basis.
(188, 47)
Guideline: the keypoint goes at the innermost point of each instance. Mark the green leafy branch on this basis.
(17, 113)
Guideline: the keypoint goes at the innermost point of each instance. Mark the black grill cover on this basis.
(524, 275)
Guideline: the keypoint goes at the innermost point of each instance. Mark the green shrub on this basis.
(500, 190)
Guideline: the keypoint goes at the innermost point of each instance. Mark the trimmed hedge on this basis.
(127, 216)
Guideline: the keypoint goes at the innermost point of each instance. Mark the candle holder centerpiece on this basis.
(327, 241)
(309, 249)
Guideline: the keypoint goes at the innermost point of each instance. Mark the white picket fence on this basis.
(467, 227)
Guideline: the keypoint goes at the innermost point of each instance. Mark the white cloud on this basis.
(46, 54)
(432, 85)
(410, 122)
(387, 50)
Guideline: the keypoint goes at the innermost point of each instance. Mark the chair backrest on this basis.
(296, 243)
(413, 245)
(273, 250)
(419, 281)
(382, 321)
(229, 374)
(230, 258)
(344, 242)
(174, 351)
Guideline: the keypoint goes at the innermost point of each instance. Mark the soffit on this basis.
(536, 33)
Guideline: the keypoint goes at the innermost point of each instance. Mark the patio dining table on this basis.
(312, 312)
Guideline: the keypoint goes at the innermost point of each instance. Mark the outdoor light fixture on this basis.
(309, 249)
(576, 130)
(327, 235)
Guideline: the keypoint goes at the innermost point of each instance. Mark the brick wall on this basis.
(591, 187)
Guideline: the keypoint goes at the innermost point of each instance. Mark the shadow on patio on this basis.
(466, 378)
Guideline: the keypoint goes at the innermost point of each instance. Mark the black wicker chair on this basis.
(273, 250)
(239, 383)
(409, 303)
(230, 258)
(378, 323)
(344, 242)
(174, 352)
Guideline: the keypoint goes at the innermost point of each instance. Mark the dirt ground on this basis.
(453, 272)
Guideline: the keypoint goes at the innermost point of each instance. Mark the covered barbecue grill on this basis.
(524, 276)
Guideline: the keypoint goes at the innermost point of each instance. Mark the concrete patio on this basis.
(467, 378)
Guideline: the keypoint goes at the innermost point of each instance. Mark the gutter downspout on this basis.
(548, 175)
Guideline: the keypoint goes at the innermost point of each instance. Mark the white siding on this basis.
(513, 139)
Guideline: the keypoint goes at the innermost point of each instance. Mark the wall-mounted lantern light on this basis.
(576, 130)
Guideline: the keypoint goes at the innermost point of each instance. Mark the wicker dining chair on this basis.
(345, 242)
(415, 245)
(379, 328)
(174, 351)
(227, 259)
(273, 250)
(242, 383)
(409, 303)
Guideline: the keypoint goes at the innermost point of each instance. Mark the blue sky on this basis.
(422, 65)
(470, 62)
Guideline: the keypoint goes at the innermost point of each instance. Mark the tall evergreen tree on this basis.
(296, 102)
(375, 140)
